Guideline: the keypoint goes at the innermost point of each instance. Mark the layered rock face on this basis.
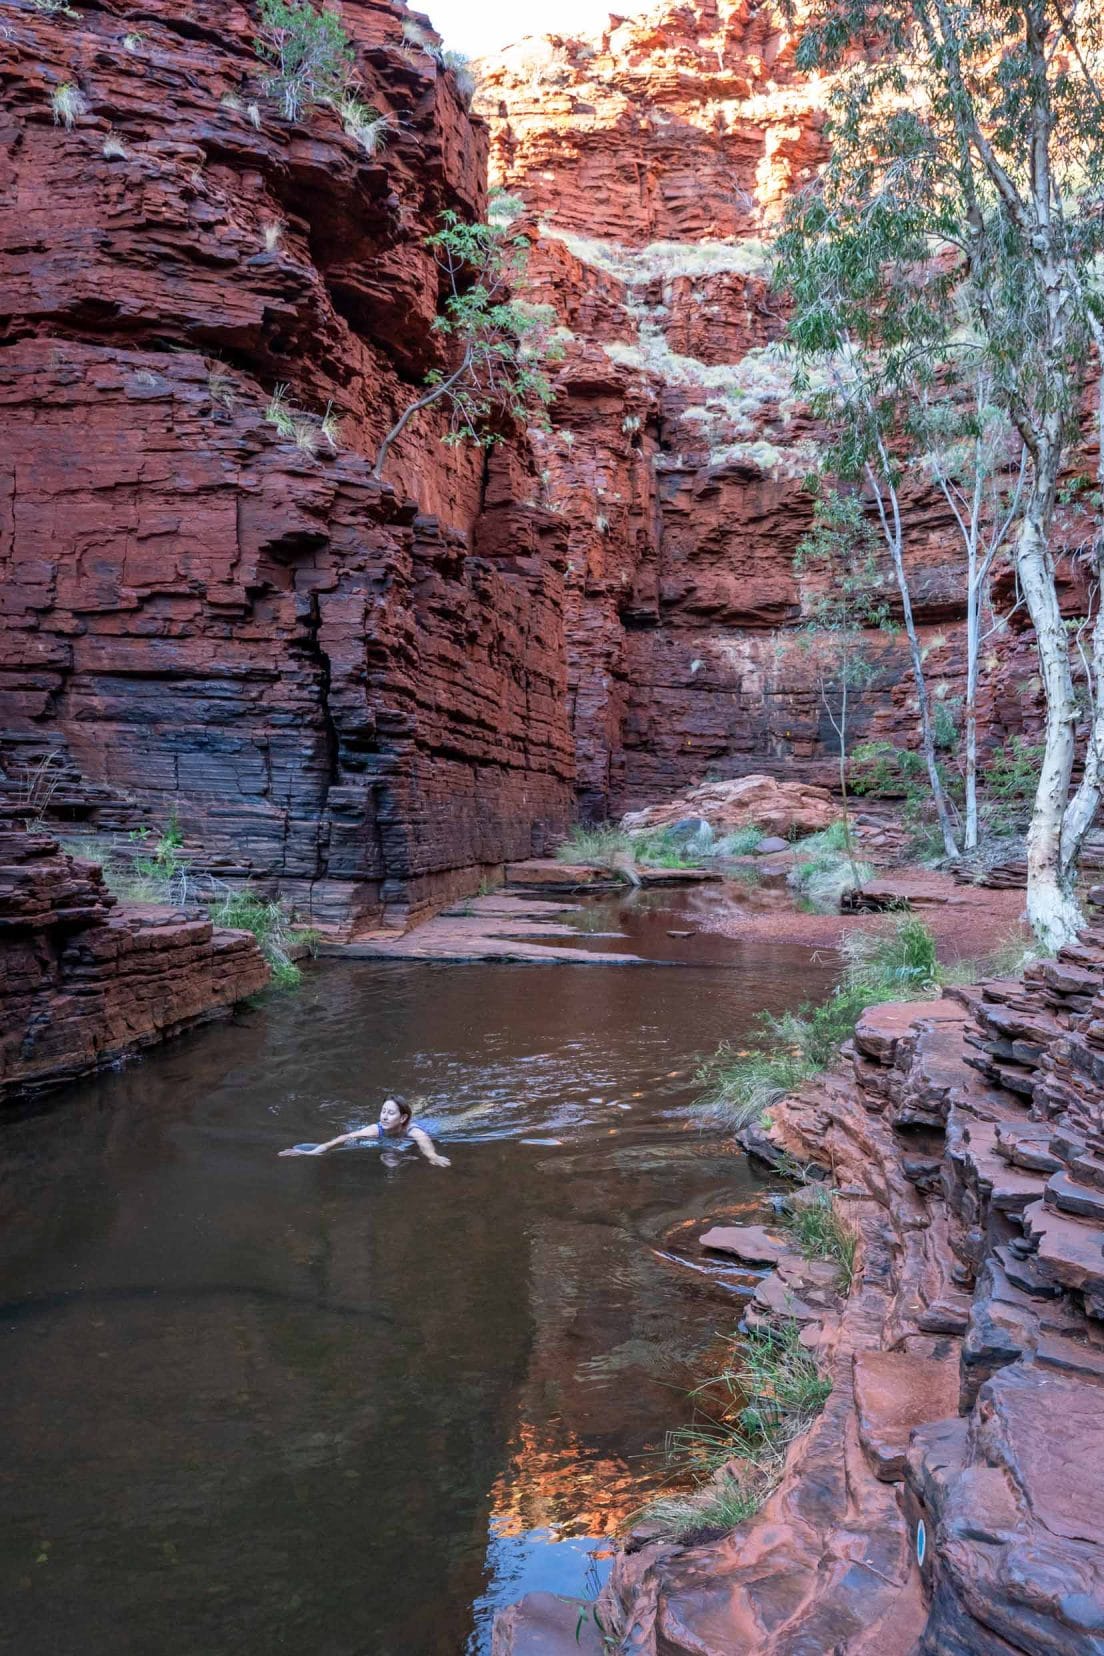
(946, 1501)
(656, 160)
(353, 691)
(85, 982)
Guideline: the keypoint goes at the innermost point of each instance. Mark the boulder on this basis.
(779, 808)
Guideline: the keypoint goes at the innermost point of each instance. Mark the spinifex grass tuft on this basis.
(821, 1232)
(767, 1395)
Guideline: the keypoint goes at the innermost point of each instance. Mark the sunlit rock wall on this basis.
(352, 692)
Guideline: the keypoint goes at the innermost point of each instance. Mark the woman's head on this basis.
(395, 1113)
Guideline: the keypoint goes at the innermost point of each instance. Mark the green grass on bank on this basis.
(768, 1392)
(820, 1231)
(144, 869)
(895, 962)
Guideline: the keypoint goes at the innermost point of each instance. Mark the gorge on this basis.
(370, 702)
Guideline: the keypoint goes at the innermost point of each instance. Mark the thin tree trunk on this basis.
(973, 650)
(1082, 808)
(1052, 907)
(893, 539)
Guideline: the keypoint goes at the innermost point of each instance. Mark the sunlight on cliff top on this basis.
(480, 31)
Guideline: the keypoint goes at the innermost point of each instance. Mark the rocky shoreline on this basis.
(946, 1501)
(86, 981)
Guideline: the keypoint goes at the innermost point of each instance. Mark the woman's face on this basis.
(390, 1116)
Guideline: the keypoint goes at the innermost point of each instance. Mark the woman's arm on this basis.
(425, 1145)
(331, 1144)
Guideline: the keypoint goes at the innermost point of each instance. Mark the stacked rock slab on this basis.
(350, 690)
(85, 981)
(947, 1500)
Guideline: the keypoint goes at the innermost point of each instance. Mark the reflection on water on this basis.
(261, 1405)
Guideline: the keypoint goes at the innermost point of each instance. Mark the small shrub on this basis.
(740, 842)
(38, 784)
(1009, 781)
(244, 911)
(67, 104)
(132, 42)
(273, 235)
(330, 427)
(113, 148)
(280, 413)
(463, 75)
(54, 8)
(597, 845)
(152, 875)
(719, 1505)
(308, 51)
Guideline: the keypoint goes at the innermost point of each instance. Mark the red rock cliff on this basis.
(655, 158)
(336, 690)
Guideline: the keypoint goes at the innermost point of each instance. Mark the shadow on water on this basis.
(261, 1405)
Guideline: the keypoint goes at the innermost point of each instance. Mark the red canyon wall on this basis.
(335, 690)
(655, 159)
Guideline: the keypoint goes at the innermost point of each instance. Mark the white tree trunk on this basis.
(973, 650)
(1052, 907)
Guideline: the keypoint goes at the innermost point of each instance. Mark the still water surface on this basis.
(342, 1407)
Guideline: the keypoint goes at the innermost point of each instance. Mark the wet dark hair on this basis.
(404, 1108)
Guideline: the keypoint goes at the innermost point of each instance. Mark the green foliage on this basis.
(894, 962)
(463, 75)
(244, 911)
(945, 725)
(598, 844)
(1010, 779)
(821, 1232)
(308, 51)
(827, 867)
(882, 771)
(363, 122)
(768, 1393)
(496, 344)
(738, 842)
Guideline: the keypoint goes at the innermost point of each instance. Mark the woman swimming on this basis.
(393, 1127)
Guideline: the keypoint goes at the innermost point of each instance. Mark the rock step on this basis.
(1068, 1196)
(894, 1393)
(1088, 1169)
(1026, 1144)
(1068, 1249)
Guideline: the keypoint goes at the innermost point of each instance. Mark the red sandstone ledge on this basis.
(85, 981)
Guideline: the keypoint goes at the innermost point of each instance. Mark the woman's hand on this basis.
(440, 1161)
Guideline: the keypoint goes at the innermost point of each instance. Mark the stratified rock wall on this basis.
(656, 159)
(946, 1502)
(85, 982)
(357, 700)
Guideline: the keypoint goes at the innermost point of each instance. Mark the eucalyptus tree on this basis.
(970, 134)
(965, 448)
(869, 315)
(842, 619)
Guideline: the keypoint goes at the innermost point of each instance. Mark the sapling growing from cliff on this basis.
(975, 135)
(495, 343)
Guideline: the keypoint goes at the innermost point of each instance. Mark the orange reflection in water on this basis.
(554, 1481)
